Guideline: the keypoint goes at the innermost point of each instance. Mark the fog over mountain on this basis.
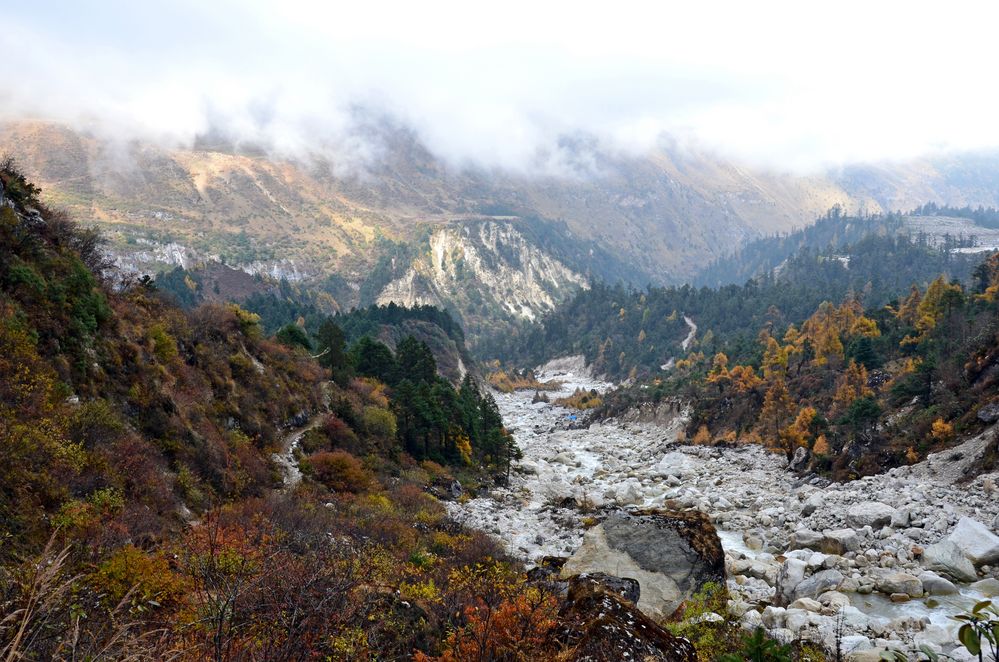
(502, 86)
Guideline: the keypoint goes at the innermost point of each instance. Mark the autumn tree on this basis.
(778, 411)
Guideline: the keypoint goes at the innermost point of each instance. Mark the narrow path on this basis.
(285, 459)
(690, 336)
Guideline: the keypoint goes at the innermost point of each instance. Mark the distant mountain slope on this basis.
(389, 229)
(664, 212)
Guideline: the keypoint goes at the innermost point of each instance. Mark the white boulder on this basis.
(976, 541)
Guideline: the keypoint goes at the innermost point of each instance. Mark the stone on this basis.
(813, 503)
(800, 459)
(947, 559)
(833, 601)
(625, 588)
(670, 554)
(598, 625)
(869, 513)
(899, 597)
(987, 587)
(989, 413)
(840, 541)
(751, 620)
(820, 582)
(934, 584)
(976, 541)
(806, 604)
(898, 582)
(792, 573)
(773, 617)
(796, 619)
(805, 539)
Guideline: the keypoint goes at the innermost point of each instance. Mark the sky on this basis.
(791, 85)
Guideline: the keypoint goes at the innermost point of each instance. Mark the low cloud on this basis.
(513, 86)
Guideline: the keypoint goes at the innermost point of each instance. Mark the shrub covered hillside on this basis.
(143, 515)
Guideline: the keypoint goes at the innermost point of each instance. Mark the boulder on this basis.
(976, 541)
(671, 555)
(819, 583)
(898, 582)
(807, 604)
(813, 503)
(934, 584)
(800, 459)
(869, 513)
(840, 541)
(988, 587)
(805, 539)
(947, 559)
(833, 601)
(625, 588)
(989, 413)
(792, 573)
(597, 624)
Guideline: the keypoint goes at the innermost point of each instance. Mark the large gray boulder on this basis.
(672, 555)
(934, 584)
(989, 413)
(806, 539)
(976, 541)
(840, 542)
(946, 558)
(869, 513)
(819, 583)
(792, 573)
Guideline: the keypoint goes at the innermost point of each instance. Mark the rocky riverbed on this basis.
(890, 557)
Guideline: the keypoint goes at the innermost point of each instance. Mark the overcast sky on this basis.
(794, 85)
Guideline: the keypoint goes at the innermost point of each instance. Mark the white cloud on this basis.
(789, 84)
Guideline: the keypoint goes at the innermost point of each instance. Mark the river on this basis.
(569, 472)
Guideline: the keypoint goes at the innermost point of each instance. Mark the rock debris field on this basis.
(889, 558)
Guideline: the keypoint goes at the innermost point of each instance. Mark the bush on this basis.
(341, 472)
(292, 335)
(147, 580)
(379, 422)
(338, 432)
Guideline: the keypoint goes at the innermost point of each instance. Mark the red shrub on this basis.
(340, 471)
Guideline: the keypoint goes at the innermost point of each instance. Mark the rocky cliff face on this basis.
(488, 272)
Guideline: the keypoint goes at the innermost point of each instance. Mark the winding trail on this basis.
(285, 459)
(690, 336)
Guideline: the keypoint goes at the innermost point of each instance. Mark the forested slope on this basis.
(143, 517)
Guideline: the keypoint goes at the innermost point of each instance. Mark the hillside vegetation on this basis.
(630, 333)
(862, 355)
(143, 517)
